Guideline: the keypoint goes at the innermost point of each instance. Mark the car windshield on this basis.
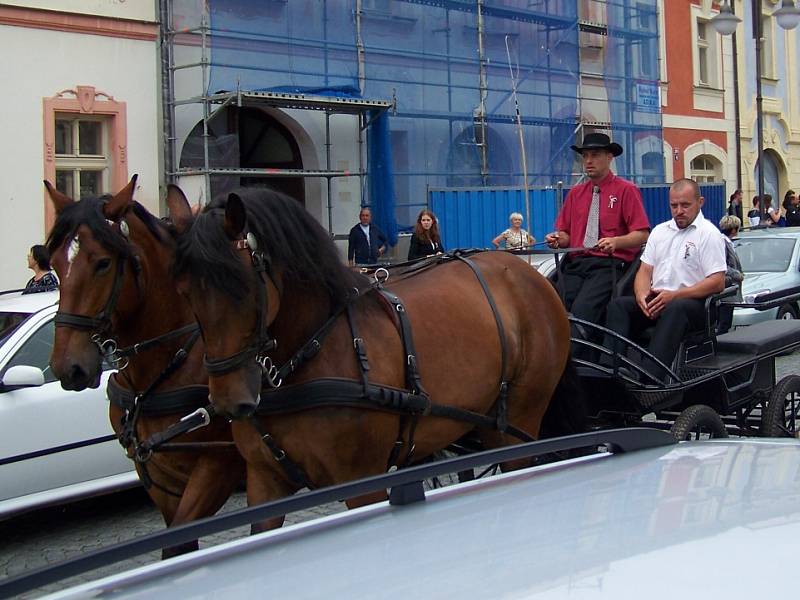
(759, 255)
(9, 321)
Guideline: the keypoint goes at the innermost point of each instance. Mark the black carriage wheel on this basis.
(787, 311)
(780, 418)
(698, 421)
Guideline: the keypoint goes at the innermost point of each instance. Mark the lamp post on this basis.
(725, 23)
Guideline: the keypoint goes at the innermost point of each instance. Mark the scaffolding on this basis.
(472, 89)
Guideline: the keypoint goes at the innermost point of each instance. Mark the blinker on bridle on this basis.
(100, 324)
(262, 342)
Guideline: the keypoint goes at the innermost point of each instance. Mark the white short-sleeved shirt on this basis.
(683, 257)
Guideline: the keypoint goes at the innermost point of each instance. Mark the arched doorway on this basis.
(772, 179)
(246, 138)
(464, 161)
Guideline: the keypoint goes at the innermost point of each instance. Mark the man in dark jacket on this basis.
(366, 241)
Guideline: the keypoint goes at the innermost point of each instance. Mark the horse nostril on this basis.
(77, 376)
(242, 411)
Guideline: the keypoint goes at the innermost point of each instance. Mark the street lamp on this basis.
(725, 23)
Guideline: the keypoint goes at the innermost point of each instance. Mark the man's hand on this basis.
(641, 300)
(557, 239)
(607, 245)
(381, 250)
(659, 301)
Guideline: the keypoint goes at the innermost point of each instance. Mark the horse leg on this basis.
(527, 405)
(211, 483)
(264, 485)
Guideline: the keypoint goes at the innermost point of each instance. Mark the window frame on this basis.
(76, 162)
(84, 101)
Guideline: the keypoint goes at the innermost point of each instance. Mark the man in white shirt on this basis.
(683, 263)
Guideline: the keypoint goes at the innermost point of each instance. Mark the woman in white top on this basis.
(515, 237)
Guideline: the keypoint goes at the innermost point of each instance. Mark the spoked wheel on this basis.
(781, 418)
(698, 422)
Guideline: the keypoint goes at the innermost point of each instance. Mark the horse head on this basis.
(226, 276)
(99, 249)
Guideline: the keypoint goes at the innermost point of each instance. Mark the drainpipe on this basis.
(737, 109)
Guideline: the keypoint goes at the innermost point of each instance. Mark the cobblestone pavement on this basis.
(51, 535)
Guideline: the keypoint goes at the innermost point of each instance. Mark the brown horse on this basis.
(257, 262)
(112, 258)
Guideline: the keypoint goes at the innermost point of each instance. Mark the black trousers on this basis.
(587, 282)
(679, 318)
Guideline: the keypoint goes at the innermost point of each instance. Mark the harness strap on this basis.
(501, 411)
(147, 344)
(178, 401)
(102, 321)
(359, 347)
(413, 379)
(293, 471)
(328, 392)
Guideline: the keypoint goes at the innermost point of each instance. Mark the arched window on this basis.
(464, 161)
(246, 138)
(705, 169)
(652, 167)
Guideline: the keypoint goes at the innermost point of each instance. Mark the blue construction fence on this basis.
(472, 217)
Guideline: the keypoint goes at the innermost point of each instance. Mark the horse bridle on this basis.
(100, 324)
(262, 341)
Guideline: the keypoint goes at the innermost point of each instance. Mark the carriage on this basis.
(717, 385)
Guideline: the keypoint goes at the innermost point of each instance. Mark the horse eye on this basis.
(102, 265)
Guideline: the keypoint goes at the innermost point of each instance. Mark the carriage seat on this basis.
(761, 338)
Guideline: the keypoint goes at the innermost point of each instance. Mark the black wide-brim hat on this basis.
(598, 141)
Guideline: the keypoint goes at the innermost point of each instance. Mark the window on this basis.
(81, 155)
(767, 47)
(706, 54)
(705, 169)
(71, 150)
(35, 352)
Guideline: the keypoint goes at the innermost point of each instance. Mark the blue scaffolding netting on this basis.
(458, 72)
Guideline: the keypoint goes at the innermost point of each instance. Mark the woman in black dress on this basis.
(43, 279)
(425, 240)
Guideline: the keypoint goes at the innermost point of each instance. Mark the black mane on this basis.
(89, 212)
(294, 241)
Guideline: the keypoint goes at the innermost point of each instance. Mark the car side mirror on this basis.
(23, 376)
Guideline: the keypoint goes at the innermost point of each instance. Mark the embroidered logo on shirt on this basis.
(611, 201)
(688, 249)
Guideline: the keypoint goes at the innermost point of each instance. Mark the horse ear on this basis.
(235, 216)
(115, 207)
(179, 210)
(60, 201)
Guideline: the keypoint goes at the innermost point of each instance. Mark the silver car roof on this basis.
(718, 518)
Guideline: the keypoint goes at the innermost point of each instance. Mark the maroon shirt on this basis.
(621, 211)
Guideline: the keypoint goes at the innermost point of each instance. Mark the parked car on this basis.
(686, 520)
(55, 445)
(771, 262)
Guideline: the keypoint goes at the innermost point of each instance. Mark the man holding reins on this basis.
(605, 216)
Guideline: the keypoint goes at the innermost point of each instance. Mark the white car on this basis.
(55, 445)
(660, 520)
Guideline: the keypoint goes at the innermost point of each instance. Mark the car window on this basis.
(770, 255)
(35, 352)
(9, 321)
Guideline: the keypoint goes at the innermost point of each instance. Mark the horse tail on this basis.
(567, 413)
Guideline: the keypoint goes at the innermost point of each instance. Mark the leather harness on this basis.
(410, 403)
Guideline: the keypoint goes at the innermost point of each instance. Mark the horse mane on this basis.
(89, 212)
(292, 239)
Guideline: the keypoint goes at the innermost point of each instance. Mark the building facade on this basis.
(81, 109)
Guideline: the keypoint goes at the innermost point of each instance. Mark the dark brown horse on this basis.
(258, 269)
(112, 258)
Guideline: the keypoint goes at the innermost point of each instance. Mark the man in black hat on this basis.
(605, 217)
